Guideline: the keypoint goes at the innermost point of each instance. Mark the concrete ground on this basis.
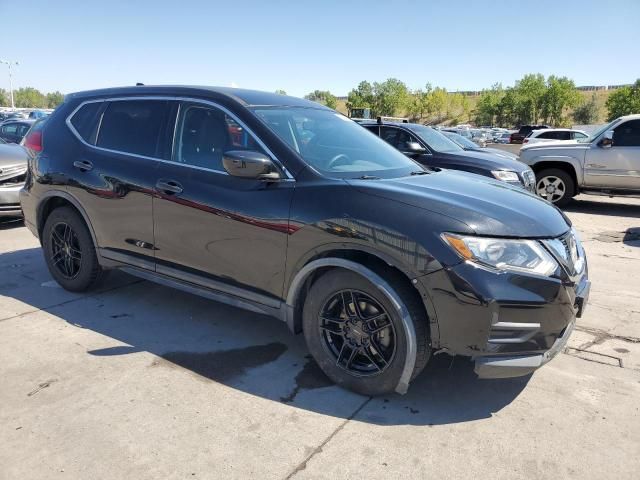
(139, 381)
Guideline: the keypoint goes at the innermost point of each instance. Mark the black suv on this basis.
(432, 148)
(285, 207)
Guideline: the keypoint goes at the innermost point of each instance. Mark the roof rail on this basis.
(393, 119)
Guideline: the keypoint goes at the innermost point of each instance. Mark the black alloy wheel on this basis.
(358, 333)
(65, 249)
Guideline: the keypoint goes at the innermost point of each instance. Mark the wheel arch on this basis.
(566, 164)
(323, 264)
(58, 198)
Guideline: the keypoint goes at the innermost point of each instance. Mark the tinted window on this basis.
(389, 135)
(10, 129)
(205, 133)
(434, 139)
(627, 134)
(556, 135)
(134, 126)
(85, 121)
(23, 129)
(373, 129)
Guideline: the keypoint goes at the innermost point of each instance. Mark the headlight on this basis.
(504, 254)
(505, 175)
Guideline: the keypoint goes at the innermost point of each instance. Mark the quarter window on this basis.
(135, 126)
(205, 133)
(85, 121)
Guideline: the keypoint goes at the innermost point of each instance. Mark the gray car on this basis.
(13, 168)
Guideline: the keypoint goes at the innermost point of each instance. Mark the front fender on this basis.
(575, 161)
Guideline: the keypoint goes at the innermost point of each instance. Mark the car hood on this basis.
(495, 151)
(488, 207)
(566, 144)
(486, 160)
(12, 154)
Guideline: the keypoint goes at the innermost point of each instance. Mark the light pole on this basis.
(10, 64)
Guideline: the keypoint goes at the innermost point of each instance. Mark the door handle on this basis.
(83, 165)
(169, 186)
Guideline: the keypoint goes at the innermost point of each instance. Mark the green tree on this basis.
(420, 103)
(361, 97)
(624, 101)
(390, 97)
(560, 95)
(488, 106)
(466, 108)
(324, 97)
(587, 112)
(5, 101)
(280, 92)
(530, 92)
(54, 99)
(438, 99)
(29, 97)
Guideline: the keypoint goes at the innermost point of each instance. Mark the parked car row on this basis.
(282, 206)
(433, 149)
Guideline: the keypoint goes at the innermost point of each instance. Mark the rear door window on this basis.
(136, 126)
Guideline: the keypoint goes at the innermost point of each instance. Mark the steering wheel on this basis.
(340, 158)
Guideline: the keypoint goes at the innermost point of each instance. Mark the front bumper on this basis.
(10, 200)
(519, 365)
(509, 324)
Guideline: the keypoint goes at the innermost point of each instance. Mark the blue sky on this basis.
(300, 46)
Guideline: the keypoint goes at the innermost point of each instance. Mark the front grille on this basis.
(569, 252)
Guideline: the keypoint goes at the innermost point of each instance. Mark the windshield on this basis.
(599, 132)
(334, 144)
(434, 139)
(460, 140)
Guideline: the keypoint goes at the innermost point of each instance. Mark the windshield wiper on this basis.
(420, 172)
(367, 177)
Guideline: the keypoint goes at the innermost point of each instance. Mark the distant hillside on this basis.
(456, 117)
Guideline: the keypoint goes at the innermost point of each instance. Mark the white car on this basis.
(554, 135)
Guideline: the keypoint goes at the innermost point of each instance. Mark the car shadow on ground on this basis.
(615, 209)
(253, 353)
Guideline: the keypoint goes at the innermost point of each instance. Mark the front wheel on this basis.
(556, 186)
(356, 334)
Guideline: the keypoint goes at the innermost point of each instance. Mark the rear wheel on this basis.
(555, 185)
(357, 336)
(69, 251)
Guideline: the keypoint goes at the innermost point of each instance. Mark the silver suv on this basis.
(606, 163)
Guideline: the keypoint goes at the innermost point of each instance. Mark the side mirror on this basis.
(607, 139)
(413, 148)
(249, 164)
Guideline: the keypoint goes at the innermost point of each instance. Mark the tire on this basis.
(379, 370)
(561, 181)
(71, 260)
